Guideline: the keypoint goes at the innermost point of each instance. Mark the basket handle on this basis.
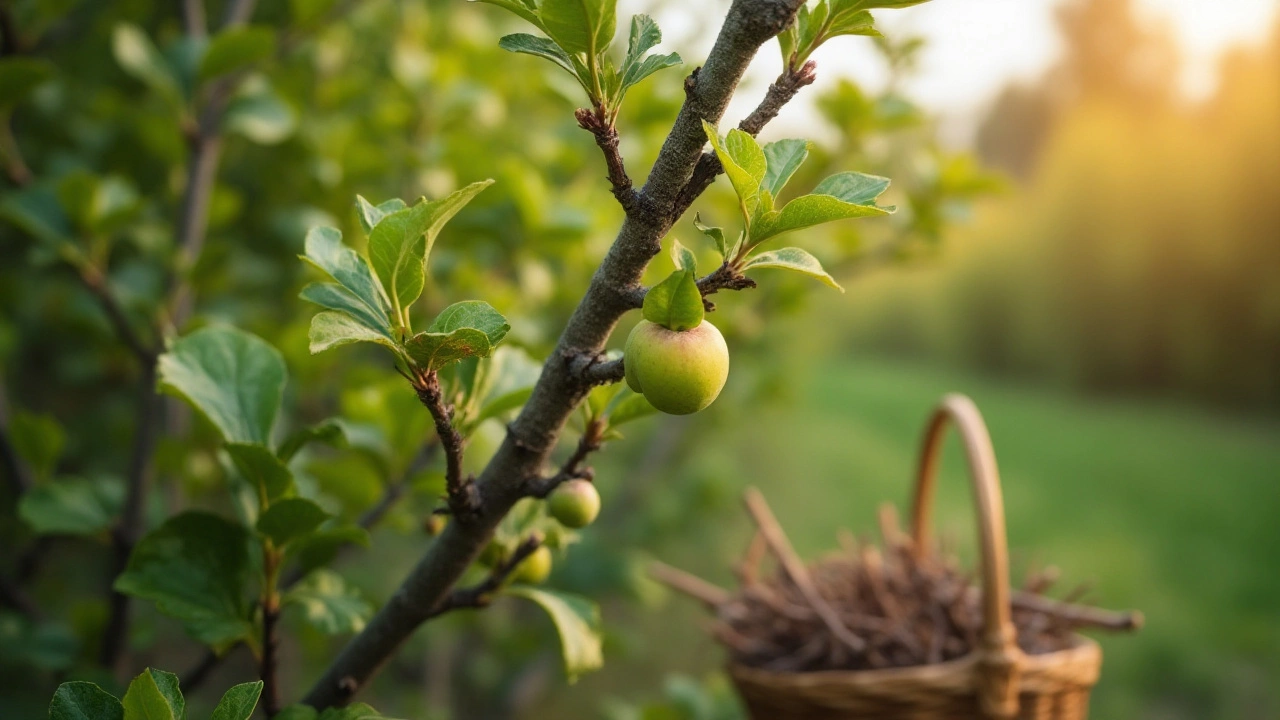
(998, 655)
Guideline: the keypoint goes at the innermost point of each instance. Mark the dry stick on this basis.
(748, 570)
(1078, 615)
(534, 432)
(712, 596)
(795, 569)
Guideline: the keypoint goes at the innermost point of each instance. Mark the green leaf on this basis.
(335, 329)
(675, 303)
(577, 621)
(857, 22)
(261, 468)
(782, 159)
(401, 242)
(683, 257)
(233, 378)
(196, 568)
(644, 36)
(84, 701)
(154, 695)
(584, 26)
(715, 233)
(633, 74)
(39, 440)
(138, 56)
(629, 405)
(371, 215)
(504, 403)
(538, 47)
(72, 506)
(793, 259)
(527, 9)
(36, 211)
(261, 116)
(235, 48)
(329, 603)
(290, 518)
(239, 702)
(471, 328)
(38, 646)
(331, 431)
(325, 251)
(19, 76)
(842, 196)
(853, 187)
(335, 297)
(744, 164)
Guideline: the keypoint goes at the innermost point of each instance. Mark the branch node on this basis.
(601, 127)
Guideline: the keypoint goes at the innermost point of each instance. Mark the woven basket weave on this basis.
(996, 681)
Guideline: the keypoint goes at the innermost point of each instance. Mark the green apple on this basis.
(678, 372)
(576, 503)
(534, 569)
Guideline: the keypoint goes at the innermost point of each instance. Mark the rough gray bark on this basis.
(531, 437)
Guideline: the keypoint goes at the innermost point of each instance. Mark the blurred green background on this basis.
(1096, 262)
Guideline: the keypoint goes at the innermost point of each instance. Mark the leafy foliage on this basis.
(152, 695)
(579, 33)
(758, 175)
(577, 620)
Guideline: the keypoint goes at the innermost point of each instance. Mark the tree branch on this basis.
(132, 526)
(463, 499)
(779, 94)
(96, 283)
(606, 136)
(533, 434)
(572, 468)
(479, 596)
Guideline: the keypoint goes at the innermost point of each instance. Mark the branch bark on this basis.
(464, 502)
(480, 595)
(534, 432)
(606, 136)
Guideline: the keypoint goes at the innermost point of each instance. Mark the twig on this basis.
(593, 369)
(572, 468)
(193, 18)
(96, 283)
(535, 431)
(464, 501)
(695, 587)
(779, 94)
(606, 136)
(480, 595)
(270, 638)
(724, 277)
(1078, 615)
(748, 571)
(131, 526)
(794, 567)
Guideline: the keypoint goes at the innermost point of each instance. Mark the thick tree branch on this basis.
(606, 136)
(533, 434)
(480, 595)
(779, 94)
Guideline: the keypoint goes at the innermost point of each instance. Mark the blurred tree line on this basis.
(1138, 252)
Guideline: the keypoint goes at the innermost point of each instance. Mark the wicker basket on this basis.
(996, 681)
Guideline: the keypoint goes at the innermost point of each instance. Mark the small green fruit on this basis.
(433, 524)
(535, 569)
(576, 503)
(678, 372)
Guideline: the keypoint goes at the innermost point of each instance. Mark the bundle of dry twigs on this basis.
(871, 606)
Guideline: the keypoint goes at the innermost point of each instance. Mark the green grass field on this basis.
(1165, 508)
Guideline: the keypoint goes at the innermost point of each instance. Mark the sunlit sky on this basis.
(975, 47)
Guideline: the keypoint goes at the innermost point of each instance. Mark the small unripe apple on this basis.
(433, 524)
(534, 569)
(576, 503)
(677, 372)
